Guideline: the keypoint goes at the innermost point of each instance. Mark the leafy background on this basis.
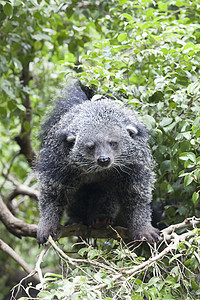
(145, 51)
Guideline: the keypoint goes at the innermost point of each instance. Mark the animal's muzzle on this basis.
(103, 161)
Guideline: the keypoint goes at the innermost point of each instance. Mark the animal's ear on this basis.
(66, 136)
(140, 131)
(71, 138)
(132, 130)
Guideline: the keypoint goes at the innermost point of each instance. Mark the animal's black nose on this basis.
(103, 161)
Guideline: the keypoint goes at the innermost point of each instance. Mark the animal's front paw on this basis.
(147, 233)
(44, 231)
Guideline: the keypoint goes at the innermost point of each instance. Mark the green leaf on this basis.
(175, 271)
(41, 36)
(38, 45)
(69, 11)
(165, 51)
(17, 63)
(172, 105)
(190, 88)
(174, 258)
(136, 297)
(188, 179)
(128, 17)
(83, 251)
(93, 253)
(26, 126)
(149, 121)
(194, 285)
(45, 294)
(162, 6)
(196, 174)
(169, 188)
(188, 156)
(121, 2)
(8, 9)
(195, 198)
(165, 121)
(98, 276)
(122, 37)
(197, 133)
(153, 280)
(21, 107)
(189, 46)
(165, 166)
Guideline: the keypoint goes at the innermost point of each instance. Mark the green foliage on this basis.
(122, 274)
(153, 61)
(147, 54)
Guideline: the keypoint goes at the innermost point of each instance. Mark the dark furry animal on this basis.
(95, 163)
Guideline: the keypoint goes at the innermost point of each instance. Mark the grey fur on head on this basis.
(96, 164)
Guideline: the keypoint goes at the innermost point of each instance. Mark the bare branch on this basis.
(24, 137)
(39, 261)
(7, 249)
(19, 189)
(22, 189)
(10, 178)
(75, 261)
(15, 225)
(188, 222)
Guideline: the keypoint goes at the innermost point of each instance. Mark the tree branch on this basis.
(87, 232)
(7, 249)
(19, 189)
(188, 222)
(76, 229)
(22, 189)
(39, 261)
(116, 274)
(15, 225)
(24, 137)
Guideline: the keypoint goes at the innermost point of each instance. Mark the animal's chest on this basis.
(95, 189)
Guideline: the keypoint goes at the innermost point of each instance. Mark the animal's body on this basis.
(96, 164)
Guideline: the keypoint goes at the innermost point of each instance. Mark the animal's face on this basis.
(97, 149)
(102, 135)
(102, 149)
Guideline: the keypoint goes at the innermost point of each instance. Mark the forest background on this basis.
(148, 52)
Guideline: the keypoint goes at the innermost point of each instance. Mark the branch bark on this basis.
(24, 190)
(166, 233)
(15, 225)
(7, 249)
(24, 137)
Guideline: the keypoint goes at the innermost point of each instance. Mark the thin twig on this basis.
(39, 261)
(75, 261)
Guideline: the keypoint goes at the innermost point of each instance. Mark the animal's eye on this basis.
(113, 144)
(90, 146)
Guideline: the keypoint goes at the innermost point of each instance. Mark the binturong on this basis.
(95, 163)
